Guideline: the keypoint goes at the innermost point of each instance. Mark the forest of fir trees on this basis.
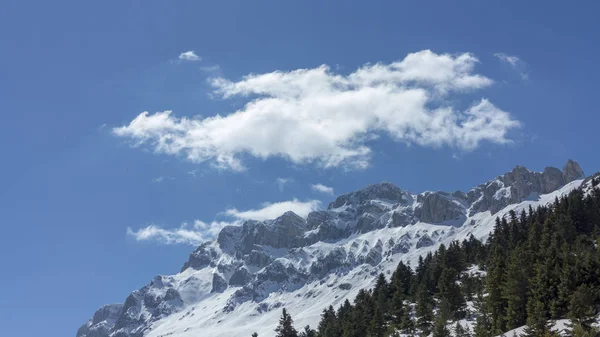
(538, 266)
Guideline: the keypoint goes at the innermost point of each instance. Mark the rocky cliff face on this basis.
(520, 184)
(250, 270)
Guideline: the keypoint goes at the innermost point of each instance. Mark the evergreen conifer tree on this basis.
(308, 332)
(582, 308)
(286, 326)
(424, 309)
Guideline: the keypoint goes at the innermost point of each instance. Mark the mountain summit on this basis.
(234, 284)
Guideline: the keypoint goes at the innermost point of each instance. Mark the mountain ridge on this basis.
(249, 270)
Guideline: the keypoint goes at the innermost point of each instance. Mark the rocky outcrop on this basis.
(202, 257)
(240, 277)
(218, 284)
(102, 322)
(287, 231)
(384, 190)
(436, 207)
(424, 241)
(572, 171)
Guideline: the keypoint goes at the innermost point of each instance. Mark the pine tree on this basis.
(254, 334)
(440, 329)
(377, 327)
(361, 315)
(515, 289)
(286, 326)
(397, 307)
(579, 331)
(483, 323)
(450, 294)
(308, 332)
(424, 309)
(381, 294)
(582, 308)
(402, 279)
(328, 326)
(537, 320)
(408, 323)
(496, 277)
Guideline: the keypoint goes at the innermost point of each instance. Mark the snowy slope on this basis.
(237, 284)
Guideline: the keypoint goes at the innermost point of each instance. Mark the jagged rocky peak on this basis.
(102, 321)
(201, 257)
(285, 231)
(519, 184)
(572, 171)
(384, 190)
(289, 219)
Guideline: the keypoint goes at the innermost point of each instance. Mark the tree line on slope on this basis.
(538, 266)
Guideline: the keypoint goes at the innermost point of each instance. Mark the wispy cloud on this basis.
(516, 63)
(195, 173)
(211, 69)
(199, 231)
(281, 182)
(322, 188)
(161, 179)
(327, 118)
(512, 60)
(189, 56)
(189, 234)
(273, 210)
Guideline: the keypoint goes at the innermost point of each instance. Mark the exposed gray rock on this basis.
(229, 238)
(401, 218)
(102, 321)
(572, 171)
(366, 223)
(287, 231)
(317, 218)
(438, 207)
(201, 257)
(345, 286)
(240, 277)
(375, 255)
(384, 190)
(334, 260)
(325, 231)
(218, 284)
(258, 258)
(424, 241)
(402, 245)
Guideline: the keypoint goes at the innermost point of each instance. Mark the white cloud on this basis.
(189, 56)
(516, 63)
(190, 234)
(322, 188)
(273, 210)
(281, 182)
(320, 117)
(512, 60)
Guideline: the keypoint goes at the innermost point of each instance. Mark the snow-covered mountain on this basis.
(237, 284)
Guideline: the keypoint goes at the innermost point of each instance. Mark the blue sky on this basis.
(95, 195)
